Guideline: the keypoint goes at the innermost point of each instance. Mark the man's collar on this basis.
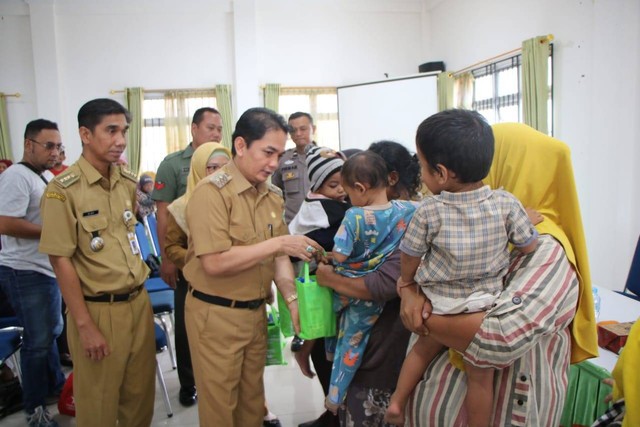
(92, 174)
(240, 183)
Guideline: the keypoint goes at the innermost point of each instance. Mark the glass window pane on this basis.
(483, 88)
(154, 148)
(153, 108)
(509, 114)
(508, 81)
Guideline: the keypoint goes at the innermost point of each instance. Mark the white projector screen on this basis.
(388, 109)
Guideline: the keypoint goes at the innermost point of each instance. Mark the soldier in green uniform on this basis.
(88, 233)
(238, 245)
(171, 183)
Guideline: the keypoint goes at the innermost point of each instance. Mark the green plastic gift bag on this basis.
(317, 318)
(275, 339)
(286, 324)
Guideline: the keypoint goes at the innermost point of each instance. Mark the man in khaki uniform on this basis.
(88, 232)
(238, 244)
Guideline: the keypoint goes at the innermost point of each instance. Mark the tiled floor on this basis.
(290, 395)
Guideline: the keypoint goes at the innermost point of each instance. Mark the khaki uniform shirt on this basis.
(79, 205)
(224, 211)
(291, 177)
(171, 178)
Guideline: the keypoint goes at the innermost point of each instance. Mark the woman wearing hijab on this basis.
(544, 318)
(207, 159)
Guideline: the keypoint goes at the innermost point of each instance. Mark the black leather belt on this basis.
(115, 297)
(216, 300)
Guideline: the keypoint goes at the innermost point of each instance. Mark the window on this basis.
(322, 104)
(497, 93)
(167, 119)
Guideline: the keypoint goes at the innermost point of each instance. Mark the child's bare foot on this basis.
(534, 216)
(394, 414)
(302, 357)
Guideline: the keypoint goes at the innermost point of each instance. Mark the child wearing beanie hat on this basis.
(324, 206)
(319, 218)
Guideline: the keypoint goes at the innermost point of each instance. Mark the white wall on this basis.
(105, 45)
(597, 84)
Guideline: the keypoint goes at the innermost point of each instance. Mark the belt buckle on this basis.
(252, 305)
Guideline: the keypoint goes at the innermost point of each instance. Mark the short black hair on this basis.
(401, 161)
(460, 140)
(91, 113)
(198, 116)
(366, 167)
(299, 114)
(34, 127)
(254, 123)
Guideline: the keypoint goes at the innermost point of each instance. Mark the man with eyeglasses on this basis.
(26, 275)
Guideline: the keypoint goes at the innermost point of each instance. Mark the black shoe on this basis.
(188, 396)
(271, 423)
(296, 343)
(327, 419)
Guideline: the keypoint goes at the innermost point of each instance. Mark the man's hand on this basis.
(299, 246)
(169, 272)
(414, 309)
(93, 342)
(324, 275)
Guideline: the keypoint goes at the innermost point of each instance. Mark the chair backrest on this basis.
(152, 228)
(633, 280)
(143, 241)
(584, 402)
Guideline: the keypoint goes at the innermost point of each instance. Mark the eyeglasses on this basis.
(49, 146)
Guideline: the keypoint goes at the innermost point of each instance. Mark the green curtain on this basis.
(134, 97)
(445, 91)
(535, 87)
(5, 140)
(272, 96)
(223, 101)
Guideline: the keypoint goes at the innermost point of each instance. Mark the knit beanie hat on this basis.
(322, 162)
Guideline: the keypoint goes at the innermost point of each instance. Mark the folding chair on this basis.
(161, 345)
(632, 288)
(160, 294)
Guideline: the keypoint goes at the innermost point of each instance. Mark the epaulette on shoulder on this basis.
(220, 178)
(67, 178)
(128, 173)
(275, 189)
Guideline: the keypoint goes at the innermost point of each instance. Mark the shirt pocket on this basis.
(242, 236)
(291, 181)
(92, 226)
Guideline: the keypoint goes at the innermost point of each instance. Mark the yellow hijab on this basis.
(537, 169)
(197, 171)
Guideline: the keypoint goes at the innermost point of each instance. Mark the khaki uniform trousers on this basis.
(228, 350)
(121, 387)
